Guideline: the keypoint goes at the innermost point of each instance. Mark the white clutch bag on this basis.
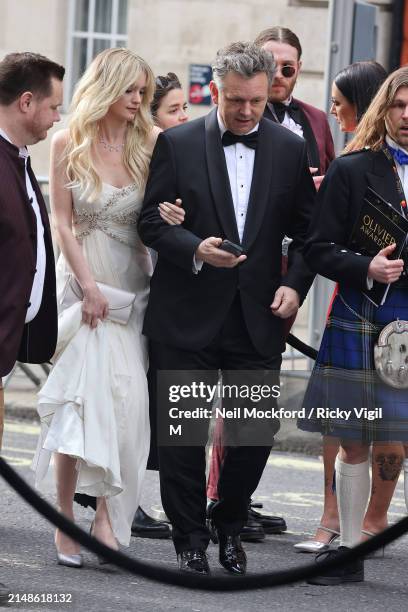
(120, 301)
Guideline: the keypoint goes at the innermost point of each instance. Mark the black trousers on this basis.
(182, 468)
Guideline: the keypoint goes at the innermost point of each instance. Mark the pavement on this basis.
(291, 486)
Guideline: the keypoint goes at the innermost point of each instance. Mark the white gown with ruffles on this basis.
(94, 405)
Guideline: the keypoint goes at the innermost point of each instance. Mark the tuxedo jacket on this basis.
(339, 201)
(33, 342)
(316, 132)
(186, 310)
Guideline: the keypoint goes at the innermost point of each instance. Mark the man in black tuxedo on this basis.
(244, 179)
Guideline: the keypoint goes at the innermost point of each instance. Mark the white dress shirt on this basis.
(240, 166)
(38, 282)
(287, 122)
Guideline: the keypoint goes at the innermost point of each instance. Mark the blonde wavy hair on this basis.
(107, 78)
(371, 130)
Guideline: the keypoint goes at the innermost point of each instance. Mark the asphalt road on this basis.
(291, 486)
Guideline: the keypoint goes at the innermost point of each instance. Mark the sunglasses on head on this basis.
(166, 81)
(288, 71)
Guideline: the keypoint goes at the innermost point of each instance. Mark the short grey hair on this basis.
(244, 58)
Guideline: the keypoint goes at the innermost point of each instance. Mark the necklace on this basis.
(112, 148)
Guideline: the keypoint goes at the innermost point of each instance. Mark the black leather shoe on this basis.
(270, 524)
(232, 555)
(252, 531)
(194, 560)
(144, 526)
(352, 572)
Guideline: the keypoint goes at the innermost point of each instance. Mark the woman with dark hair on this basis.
(353, 89)
(169, 105)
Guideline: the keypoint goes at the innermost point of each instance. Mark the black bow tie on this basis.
(292, 109)
(249, 140)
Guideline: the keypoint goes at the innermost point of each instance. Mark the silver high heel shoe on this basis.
(314, 546)
(68, 560)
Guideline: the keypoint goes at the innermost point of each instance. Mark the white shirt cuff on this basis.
(197, 265)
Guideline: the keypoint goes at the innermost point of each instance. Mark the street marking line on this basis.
(295, 462)
(17, 461)
(18, 450)
(24, 428)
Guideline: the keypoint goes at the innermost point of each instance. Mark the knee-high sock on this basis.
(405, 464)
(353, 490)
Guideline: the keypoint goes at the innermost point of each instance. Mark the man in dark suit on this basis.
(303, 119)
(310, 123)
(244, 179)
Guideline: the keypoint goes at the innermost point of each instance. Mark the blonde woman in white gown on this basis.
(94, 405)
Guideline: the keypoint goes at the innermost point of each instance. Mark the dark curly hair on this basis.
(164, 84)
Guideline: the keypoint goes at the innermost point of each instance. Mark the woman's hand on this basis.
(173, 214)
(94, 306)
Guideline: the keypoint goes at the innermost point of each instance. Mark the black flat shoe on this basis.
(144, 526)
(270, 524)
(252, 531)
(232, 555)
(193, 561)
(352, 572)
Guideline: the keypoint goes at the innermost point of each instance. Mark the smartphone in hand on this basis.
(231, 247)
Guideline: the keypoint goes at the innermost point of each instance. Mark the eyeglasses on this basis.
(287, 71)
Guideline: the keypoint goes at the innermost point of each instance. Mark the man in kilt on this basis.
(362, 408)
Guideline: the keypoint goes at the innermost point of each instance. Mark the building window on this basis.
(95, 25)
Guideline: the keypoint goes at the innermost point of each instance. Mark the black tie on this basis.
(249, 140)
(292, 109)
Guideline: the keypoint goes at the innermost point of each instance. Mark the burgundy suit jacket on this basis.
(33, 342)
(319, 125)
(321, 130)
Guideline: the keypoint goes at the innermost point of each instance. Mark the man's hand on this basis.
(209, 252)
(173, 214)
(285, 303)
(385, 270)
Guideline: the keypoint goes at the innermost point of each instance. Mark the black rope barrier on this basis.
(297, 344)
(208, 583)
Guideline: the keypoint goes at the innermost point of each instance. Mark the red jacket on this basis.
(321, 130)
(320, 138)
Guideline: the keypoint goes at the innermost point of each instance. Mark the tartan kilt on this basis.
(344, 376)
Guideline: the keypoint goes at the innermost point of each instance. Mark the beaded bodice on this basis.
(114, 212)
